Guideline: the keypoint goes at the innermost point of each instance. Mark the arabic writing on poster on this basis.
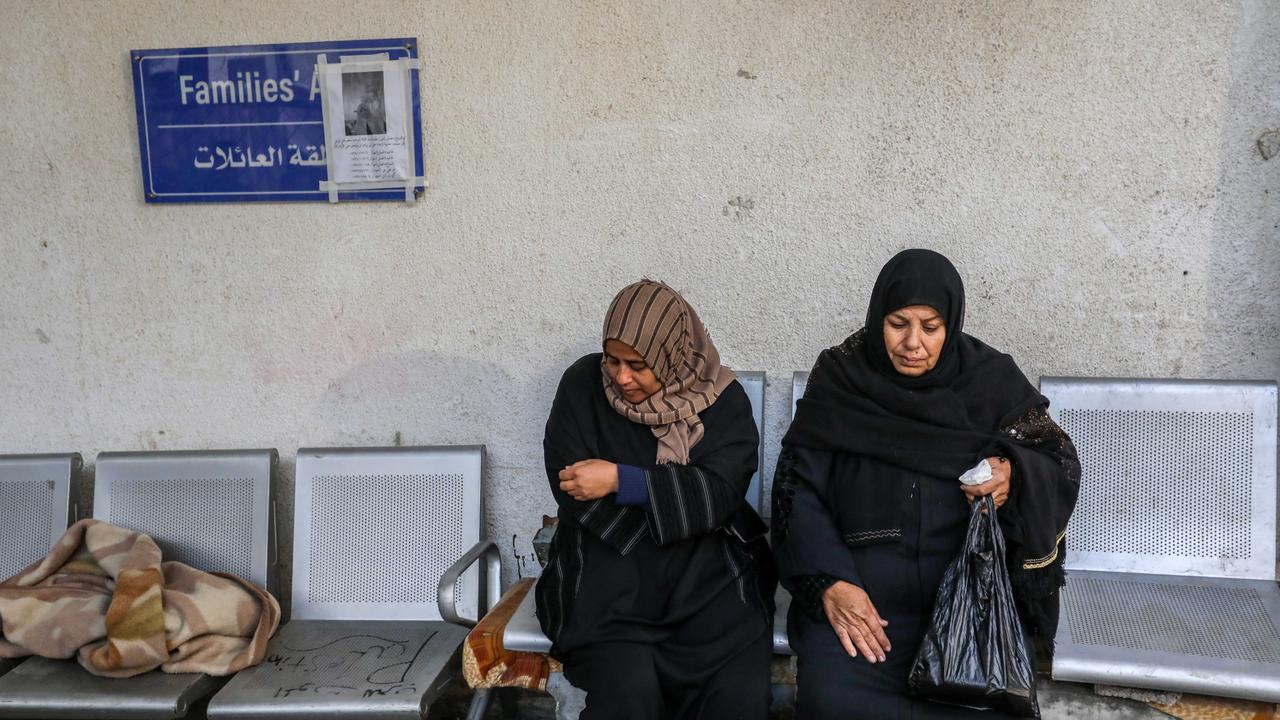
(221, 157)
(371, 157)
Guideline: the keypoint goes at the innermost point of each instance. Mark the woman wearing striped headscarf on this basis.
(658, 588)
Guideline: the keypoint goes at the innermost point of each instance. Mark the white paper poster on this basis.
(366, 122)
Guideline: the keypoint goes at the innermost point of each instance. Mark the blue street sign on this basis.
(244, 123)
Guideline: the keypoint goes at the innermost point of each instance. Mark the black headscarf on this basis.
(938, 423)
(941, 423)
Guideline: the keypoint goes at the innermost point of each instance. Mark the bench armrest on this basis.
(490, 590)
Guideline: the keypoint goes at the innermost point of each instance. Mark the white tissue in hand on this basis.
(977, 474)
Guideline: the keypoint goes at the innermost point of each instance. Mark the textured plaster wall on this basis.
(1091, 167)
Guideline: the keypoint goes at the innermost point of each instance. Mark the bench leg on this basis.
(570, 701)
(479, 704)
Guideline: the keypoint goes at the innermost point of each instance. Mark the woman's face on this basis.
(913, 336)
(629, 372)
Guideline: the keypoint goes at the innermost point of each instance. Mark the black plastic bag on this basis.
(976, 653)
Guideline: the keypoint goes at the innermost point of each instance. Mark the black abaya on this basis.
(901, 578)
(657, 610)
(867, 490)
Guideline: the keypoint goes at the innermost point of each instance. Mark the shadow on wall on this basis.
(426, 398)
(1244, 309)
(1246, 205)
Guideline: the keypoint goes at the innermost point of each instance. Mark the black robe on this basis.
(824, 535)
(867, 489)
(685, 583)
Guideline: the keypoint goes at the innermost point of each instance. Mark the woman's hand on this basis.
(589, 479)
(997, 487)
(856, 621)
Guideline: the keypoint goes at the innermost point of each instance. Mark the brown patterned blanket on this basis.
(487, 664)
(103, 595)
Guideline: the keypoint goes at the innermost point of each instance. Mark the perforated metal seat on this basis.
(209, 509)
(380, 606)
(1171, 550)
(35, 505)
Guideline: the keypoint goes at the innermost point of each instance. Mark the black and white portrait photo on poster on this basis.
(364, 103)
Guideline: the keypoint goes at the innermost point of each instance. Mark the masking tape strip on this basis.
(322, 68)
(406, 82)
(369, 185)
(371, 58)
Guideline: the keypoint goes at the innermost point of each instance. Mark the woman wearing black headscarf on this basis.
(868, 510)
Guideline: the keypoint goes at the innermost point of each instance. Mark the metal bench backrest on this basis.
(798, 382)
(35, 492)
(753, 383)
(375, 528)
(209, 509)
(1178, 477)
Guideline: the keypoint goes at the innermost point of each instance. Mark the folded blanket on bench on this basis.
(103, 595)
(487, 664)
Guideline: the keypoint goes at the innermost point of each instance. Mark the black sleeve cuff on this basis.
(807, 590)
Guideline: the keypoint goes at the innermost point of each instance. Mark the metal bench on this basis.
(35, 505)
(752, 382)
(799, 380)
(1172, 548)
(380, 597)
(782, 599)
(209, 509)
(523, 633)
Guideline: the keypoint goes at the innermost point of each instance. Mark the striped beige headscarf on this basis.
(666, 332)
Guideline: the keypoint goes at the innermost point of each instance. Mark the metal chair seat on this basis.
(44, 688)
(1171, 549)
(1213, 636)
(357, 669)
(377, 630)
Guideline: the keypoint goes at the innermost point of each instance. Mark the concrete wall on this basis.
(1091, 167)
